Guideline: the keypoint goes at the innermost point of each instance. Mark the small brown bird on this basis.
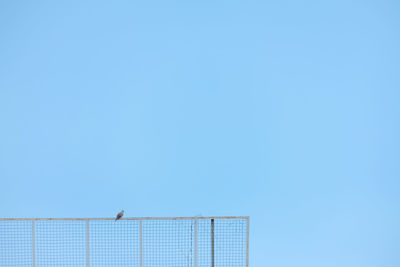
(119, 215)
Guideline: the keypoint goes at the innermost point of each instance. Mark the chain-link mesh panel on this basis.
(15, 243)
(114, 243)
(148, 242)
(60, 243)
(230, 243)
(168, 243)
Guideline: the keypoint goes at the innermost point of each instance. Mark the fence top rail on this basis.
(125, 219)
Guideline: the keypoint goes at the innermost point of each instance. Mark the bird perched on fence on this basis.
(119, 215)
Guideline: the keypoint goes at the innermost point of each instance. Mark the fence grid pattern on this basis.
(141, 242)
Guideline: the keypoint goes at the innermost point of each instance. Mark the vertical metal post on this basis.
(212, 243)
(87, 244)
(247, 241)
(141, 242)
(195, 243)
(33, 245)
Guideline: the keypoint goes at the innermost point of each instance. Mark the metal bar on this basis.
(128, 218)
(87, 244)
(33, 245)
(141, 242)
(195, 243)
(212, 243)
(247, 241)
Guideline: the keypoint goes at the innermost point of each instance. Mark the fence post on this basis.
(87, 244)
(212, 243)
(33, 245)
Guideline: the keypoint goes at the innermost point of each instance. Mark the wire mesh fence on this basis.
(142, 242)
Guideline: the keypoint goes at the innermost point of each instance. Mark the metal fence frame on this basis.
(140, 219)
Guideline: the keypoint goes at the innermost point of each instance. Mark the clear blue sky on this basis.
(286, 111)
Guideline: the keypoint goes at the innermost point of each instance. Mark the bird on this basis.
(119, 215)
